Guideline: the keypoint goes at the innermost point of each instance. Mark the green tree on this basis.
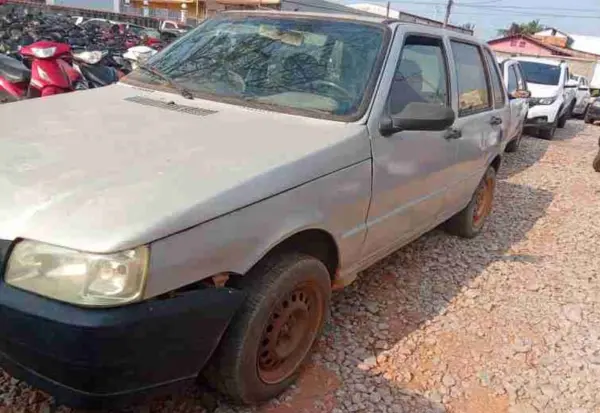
(531, 27)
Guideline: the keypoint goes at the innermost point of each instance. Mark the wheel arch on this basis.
(315, 242)
(496, 162)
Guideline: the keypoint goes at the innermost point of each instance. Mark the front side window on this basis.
(421, 74)
(541, 73)
(316, 66)
(473, 87)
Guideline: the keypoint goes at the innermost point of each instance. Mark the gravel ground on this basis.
(507, 322)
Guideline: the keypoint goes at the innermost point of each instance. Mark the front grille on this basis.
(4, 246)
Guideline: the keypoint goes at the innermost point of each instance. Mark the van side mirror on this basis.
(418, 116)
(519, 94)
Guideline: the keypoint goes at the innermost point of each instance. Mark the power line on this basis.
(484, 6)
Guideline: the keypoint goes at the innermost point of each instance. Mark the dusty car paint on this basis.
(215, 192)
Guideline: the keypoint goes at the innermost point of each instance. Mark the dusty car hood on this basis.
(97, 172)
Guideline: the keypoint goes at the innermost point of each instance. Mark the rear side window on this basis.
(473, 87)
(513, 83)
(421, 74)
(499, 98)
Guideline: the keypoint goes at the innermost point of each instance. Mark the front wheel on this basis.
(469, 222)
(272, 334)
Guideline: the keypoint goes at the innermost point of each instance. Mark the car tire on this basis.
(596, 163)
(587, 119)
(271, 336)
(562, 121)
(547, 133)
(469, 222)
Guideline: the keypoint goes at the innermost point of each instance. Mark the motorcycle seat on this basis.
(13, 70)
(99, 75)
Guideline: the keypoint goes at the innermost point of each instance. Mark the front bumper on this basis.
(99, 358)
(541, 116)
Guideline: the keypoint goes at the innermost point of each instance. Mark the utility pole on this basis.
(448, 11)
(387, 11)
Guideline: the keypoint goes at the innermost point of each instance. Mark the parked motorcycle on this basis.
(96, 69)
(138, 55)
(43, 71)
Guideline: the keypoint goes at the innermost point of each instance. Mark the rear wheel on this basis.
(470, 221)
(596, 163)
(262, 350)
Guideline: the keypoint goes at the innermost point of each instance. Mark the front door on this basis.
(410, 168)
(518, 107)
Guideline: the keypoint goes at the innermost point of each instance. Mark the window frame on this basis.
(489, 61)
(514, 70)
(407, 35)
(461, 113)
(520, 75)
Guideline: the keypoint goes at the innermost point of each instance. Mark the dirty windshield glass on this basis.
(311, 65)
(541, 73)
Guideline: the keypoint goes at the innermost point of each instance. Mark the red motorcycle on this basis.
(49, 72)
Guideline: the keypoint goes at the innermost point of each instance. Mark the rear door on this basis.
(482, 115)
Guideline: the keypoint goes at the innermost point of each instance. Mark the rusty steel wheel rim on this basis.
(483, 201)
(289, 333)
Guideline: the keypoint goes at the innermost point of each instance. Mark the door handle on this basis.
(495, 120)
(453, 133)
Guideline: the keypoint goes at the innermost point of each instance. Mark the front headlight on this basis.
(544, 101)
(78, 277)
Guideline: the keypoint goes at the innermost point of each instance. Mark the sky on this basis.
(574, 17)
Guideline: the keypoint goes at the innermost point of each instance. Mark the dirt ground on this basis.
(508, 322)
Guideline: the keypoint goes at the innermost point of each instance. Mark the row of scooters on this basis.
(48, 68)
(46, 54)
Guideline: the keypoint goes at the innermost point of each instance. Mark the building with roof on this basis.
(581, 52)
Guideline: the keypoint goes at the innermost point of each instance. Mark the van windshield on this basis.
(541, 73)
(306, 64)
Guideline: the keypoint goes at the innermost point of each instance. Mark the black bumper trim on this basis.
(99, 358)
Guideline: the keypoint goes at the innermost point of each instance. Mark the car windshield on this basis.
(306, 64)
(541, 73)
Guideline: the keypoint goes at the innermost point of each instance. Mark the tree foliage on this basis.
(528, 28)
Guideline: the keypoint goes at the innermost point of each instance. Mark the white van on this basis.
(553, 94)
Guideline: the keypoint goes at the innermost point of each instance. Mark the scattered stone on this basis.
(521, 346)
(448, 380)
(522, 408)
(572, 312)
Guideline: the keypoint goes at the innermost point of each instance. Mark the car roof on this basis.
(356, 17)
(551, 62)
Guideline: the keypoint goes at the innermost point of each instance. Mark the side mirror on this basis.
(571, 83)
(519, 94)
(419, 116)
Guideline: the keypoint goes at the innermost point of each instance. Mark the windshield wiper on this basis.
(181, 89)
